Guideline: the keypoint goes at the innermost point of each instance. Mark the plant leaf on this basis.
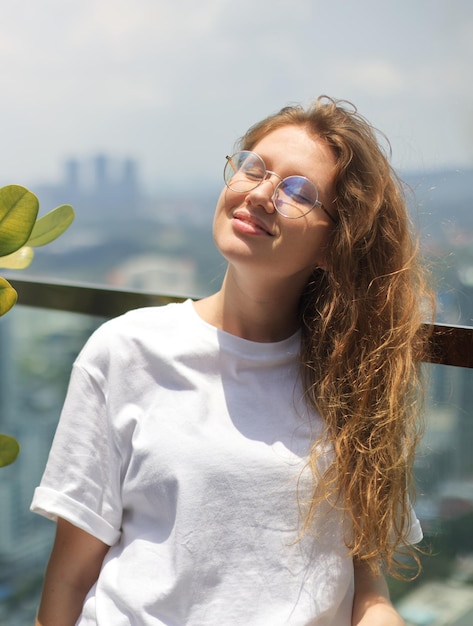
(51, 225)
(18, 212)
(17, 260)
(8, 296)
(9, 450)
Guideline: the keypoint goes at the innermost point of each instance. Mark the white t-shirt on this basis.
(182, 447)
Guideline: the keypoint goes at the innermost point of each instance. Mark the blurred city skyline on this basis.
(172, 85)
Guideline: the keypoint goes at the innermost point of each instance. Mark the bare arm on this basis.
(73, 568)
(371, 604)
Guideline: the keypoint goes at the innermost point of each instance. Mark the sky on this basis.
(173, 83)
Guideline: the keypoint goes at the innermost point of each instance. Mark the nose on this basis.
(262, 195)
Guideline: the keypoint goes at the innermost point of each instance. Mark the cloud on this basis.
(157, 79)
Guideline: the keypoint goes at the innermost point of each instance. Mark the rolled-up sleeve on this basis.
(81, 482)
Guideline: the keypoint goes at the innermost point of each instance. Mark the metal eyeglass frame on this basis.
(268, 173)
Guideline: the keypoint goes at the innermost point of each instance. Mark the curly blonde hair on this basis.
(362, 338)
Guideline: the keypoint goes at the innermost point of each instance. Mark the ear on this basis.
(322, 262)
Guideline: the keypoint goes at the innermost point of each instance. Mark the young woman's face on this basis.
(247, 229)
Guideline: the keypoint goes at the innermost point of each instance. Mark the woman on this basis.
(245, 459)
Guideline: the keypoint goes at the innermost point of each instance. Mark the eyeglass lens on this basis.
(244, 171)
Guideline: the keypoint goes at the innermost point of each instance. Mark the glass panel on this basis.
(167, 246)
(167, 249)
(37, 348)
(443, 594)
(442, 210)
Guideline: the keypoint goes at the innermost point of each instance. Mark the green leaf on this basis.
(18, 212)
(8, 296)
(9, 450)
(51, 225)
(17, 260)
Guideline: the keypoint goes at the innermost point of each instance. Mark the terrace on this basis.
(38, 342)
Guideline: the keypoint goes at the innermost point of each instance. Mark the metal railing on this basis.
(450, 345)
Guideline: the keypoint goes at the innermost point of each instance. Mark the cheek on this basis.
(221, 221)
(225, 202)
(316, 243)
(219, 212)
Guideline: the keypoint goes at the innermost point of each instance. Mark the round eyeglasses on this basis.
(293, 197)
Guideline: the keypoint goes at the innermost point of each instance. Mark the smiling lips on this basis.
(248, 223)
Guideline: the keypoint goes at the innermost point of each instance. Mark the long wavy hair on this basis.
(362, 338)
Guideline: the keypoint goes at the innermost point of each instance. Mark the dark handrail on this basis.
(79, 298)
(450, 345)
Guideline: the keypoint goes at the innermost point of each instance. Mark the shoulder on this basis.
(135, 331)
(152, 318)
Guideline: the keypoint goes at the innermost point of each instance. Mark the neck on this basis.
(254, 310)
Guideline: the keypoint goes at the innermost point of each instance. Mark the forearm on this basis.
(378, 614)
(61, 603)
(72, 570)
(371, 603)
